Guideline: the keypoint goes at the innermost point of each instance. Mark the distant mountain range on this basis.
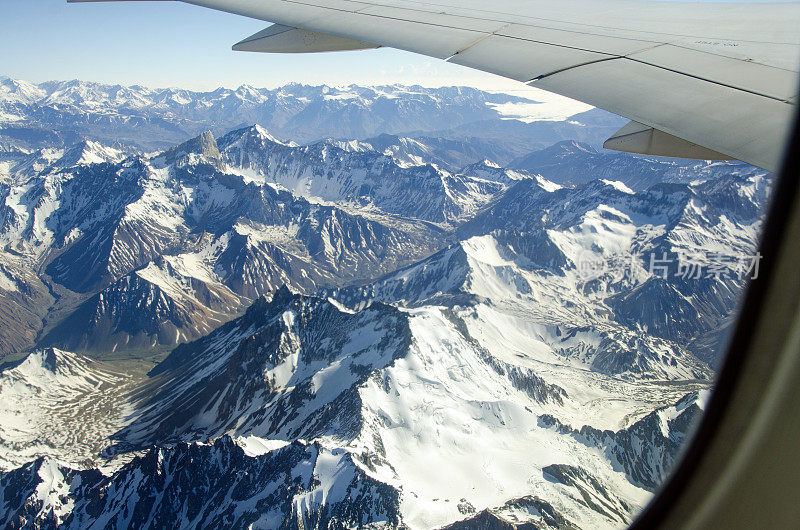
(454, 121)
(254, 329)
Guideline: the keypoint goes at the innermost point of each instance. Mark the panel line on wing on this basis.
(548, 74)
(700, 78)
(713, 54)
(754, 92)
(478, 41)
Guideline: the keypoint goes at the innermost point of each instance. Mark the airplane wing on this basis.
(698, 80)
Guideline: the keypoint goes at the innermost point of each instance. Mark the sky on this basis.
(172, 44)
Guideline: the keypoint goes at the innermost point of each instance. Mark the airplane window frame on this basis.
(740, 348)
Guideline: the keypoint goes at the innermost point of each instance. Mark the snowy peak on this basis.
(646, 449)
(279, 371)
(737, 196)
(328, 489)
(159, 305)
(488, 170)
(48, 363)
(567, 149)
(248, 148)
(443, 275)
(18, 165)
(19, 92)
(353, 174)
(254, 137)
(532, 276)
(43, 486)
(202, 148)
(43, 408)
(572, 163)
(42, 361)
(88, 152)
(617, 185)
(557, 153)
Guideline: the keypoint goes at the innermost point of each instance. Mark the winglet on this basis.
(284, 39)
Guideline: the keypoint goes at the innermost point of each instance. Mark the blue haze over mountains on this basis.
(316, 311)
(58, 114)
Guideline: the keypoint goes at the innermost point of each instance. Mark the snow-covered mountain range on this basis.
(452, 121)
(380, 331)
(575, 163)
(195, 233)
